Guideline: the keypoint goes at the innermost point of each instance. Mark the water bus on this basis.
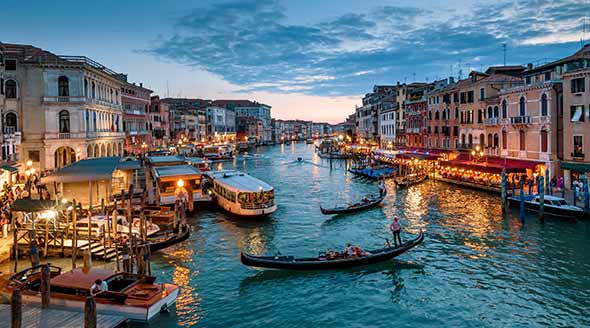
(242, 194)
(219, 152)
(170, 182)
(132, 296)
(199, 163)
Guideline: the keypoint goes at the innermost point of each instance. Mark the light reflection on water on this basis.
(475, 268)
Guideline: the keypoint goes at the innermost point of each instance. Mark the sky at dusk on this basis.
(307, 59)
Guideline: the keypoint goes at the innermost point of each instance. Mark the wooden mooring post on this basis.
(541, 185)
(45, 287)
(16, 309)
(503, 191)
(74, 233)
(90, 312)
(521, 212)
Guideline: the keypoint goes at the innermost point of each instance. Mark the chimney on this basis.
(529, 66)
(451, 79)
(141, 84)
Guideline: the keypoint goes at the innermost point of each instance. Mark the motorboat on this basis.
(553, 205)
(135, 297)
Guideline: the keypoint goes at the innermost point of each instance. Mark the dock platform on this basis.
(34, 317)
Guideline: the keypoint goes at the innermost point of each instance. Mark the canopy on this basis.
(175, 171)
(165, 160)
(33, 205)
(577, 167)
(92, 169)
(9, 168)
(493, 165)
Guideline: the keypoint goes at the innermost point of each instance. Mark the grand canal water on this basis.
(474, 268)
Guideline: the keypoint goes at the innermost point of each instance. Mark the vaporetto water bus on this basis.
(242, 194)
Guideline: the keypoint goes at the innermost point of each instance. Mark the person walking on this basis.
(396, 229)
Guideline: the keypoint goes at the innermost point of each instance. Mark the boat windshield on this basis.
(255, 200)
(562, 202)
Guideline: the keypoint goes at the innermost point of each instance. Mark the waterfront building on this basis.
(250, 129)
(250, 109)
(575, 123)
(403, 94)
(442, 122)
(387, 128)
(415, 113)
(382, 98)
(11, 134)
(221, 124)
(158, 115)
(320, 130)
(348, 127)
(79, 99)
(135, 100)
(187, 118)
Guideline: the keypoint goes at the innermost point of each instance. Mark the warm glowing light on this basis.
(29, 163)
(27, 172)
(64, 200)
(180, 183)
(473, 153)
(477, 148)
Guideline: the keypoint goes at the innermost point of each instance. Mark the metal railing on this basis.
(577, 155)
(492, 121)
(520, 120)
(64, 135)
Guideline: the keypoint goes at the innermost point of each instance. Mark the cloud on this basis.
(253, 45)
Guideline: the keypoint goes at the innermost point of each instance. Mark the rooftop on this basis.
(175, 171)
(240, 181)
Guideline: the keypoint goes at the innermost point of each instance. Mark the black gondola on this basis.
(159, 241)
(322, 263)
(372, 201)
(409, 180)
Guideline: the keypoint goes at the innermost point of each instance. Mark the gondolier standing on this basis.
(381, 188)
(396, 229)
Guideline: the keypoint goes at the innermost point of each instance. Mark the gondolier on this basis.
(381, 188)
(396, 229)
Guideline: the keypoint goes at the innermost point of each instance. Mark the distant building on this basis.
(247, 108)
(249, 129)
(136, 101)
(382, 98)
(221, 124)
(192, 110)
(159, 113)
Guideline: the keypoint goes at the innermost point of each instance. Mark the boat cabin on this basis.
(171, 182)
(199, 163)
(170, 160)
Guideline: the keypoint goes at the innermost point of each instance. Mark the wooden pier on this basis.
(33, 317)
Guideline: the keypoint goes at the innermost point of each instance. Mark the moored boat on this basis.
(368, 202)
(410, 179)
(163, 239)
(132, 296)
(322, 262)
(242, 194)
(218, 153)
(375, 172)
(553, 205)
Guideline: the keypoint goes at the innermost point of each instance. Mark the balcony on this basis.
(520, 120)
(64, 135)
(103, 134)
(492, 121)
(577, 156)
(9, 130)
(64, 99)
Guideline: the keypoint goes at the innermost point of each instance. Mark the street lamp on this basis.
(180, 183)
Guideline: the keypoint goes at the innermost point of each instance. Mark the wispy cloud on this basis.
(249, 43)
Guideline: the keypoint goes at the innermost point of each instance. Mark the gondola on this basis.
(160, 242)
(322, 263)
(375, 173)
(372, 201)
(409, 180)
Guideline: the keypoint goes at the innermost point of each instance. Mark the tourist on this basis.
(4, 222)
(99, 286)
(530, 183)
(396, 228)
(553, 183)
(349, 251)
(560, 184)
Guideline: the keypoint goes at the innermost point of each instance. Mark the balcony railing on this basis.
(520, 120)
(492, 121)
(65, 135)
(99, 134)
(10, 129)
(79, 99)
(578, 156)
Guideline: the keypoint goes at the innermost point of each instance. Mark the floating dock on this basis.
(34, 317)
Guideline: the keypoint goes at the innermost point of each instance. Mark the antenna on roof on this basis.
(167, 89)
(504, 51)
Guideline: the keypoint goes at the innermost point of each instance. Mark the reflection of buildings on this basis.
(79, 101)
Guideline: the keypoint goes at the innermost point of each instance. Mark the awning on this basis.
(92, 169)
(575, 166)
(33, 205)
(493, 165)
(9, 168)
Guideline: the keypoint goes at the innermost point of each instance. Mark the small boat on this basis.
(333, 155)
(374, 173)
(553, 205)
(370, 201)
(322, 262)
(132, 296)
(163, 240)
(309, 141)
(99, 224)
(410, 179)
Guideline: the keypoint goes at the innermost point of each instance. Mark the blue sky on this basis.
(308, 59)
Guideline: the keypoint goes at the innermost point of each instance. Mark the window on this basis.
(522, 140)
(479, 116)
(482, 141)
(34, 155)
(470, 138)
(10, 120)
(522, 107)
(504, 139)
(463, 99)
(10, 64)
(456, 113)
(544, 105)
(496, 141)
(528, 80)
(496, 112)
(1, 86)
(436, 116)
(63, 86)
(544, 141)
(470, 96)
(93, 91)
(482, 94)
(10, 89)
(578, 146)
(456, 131)
(578, 85)
(577, 113)
(547, 76)
(504, 109)
(64, 121)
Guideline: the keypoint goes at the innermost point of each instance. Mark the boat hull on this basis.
(235, 209)
(291, 263)
(181, 236)
(134, 313)
(370, 204)
(548, 209)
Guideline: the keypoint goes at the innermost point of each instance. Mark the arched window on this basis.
(10, 121)
(504, 139)
(490, 140)
(430, 115)
(496, 112)
(522, 137)
(93, 90)
(63, 85)
(522, 107)
(544, 141)
(463, 140)
(64, 121)
(496, 141)
(544, 105)
(436, 116)
(470, 138)
(10, 89)
(504, 109)
(482, 141)
(456, 112)
(86, 89)
(479, 116)
(489, 112)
